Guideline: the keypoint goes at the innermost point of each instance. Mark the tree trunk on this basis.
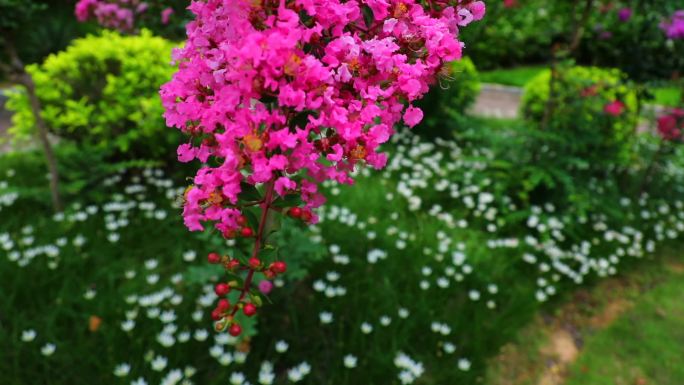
(25, 79)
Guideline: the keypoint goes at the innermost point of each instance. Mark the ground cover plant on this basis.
(304, 264)
(451, 256)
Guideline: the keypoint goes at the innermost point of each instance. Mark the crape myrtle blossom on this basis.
(279, 96)
(292, 93)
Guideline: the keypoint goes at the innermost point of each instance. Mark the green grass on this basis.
(667, 96)
(645, 345)
(478, 203)
(517, 77)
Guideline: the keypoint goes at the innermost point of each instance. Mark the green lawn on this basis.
(517, 77)
(666, 95)
(644, 346)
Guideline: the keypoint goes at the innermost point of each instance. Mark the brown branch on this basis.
(25, 79)
(266, 206)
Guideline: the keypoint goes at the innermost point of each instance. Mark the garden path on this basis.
(553, 343)
(497, 101)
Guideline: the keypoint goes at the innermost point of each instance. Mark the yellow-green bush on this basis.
(103, 91)
(577, 112)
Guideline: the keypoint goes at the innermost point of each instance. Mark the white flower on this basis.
(127, 325)
(166, 340)
(325, 317)
(464, 364)
(172, 378)
(159, 363)
(240, 357)
(297, 373)
(48, 349)
(201, 334)
(139, 381)
(281, 346)
(266, 378)
(189, 256)
(350, 361)
(366, 328)
(151, 264)
(449, 348)
(225, 359)
(385, 320)
(122, 370)
(89, 294)
(113, 237)
(403, 313)
(237, 378)
(28, 335)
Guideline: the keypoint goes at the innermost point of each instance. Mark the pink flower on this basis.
(268, 111)
(674, 26)
(166, 15)
(624, 14)
(477, 8)
(265, 287)
(670, 125)
(413, 116)
(614, 108)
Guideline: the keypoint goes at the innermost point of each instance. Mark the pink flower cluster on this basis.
(292, 93)
(114, 14)
(670, 125)
(674, 26)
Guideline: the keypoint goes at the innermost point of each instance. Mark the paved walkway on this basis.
(497, 101)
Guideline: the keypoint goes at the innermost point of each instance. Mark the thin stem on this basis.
(266, 206)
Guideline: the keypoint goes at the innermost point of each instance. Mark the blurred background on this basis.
(527, 232)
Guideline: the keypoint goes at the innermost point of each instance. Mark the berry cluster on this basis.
(248, 302)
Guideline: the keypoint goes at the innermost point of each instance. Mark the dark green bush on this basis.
(518, 35)
(456, 91)
(102, 92)
(577, 113)
(636, 45)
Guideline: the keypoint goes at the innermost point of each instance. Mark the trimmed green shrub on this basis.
(458, 90)
(579, 114)
(102, 91)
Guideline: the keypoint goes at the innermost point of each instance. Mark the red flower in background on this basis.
(510, 3)
(670, 125)
(615, 108)
(592, 90)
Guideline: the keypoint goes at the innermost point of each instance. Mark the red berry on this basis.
(223, 304)
(254, 263)
(213, 258)
(235, 330)
(295, 212)
(246, 232)
(232, 264)
(216, 314)
(269, 274)
(306, 216)
(221, 289)
(249, 309)
(242, 220)
(279, 267)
